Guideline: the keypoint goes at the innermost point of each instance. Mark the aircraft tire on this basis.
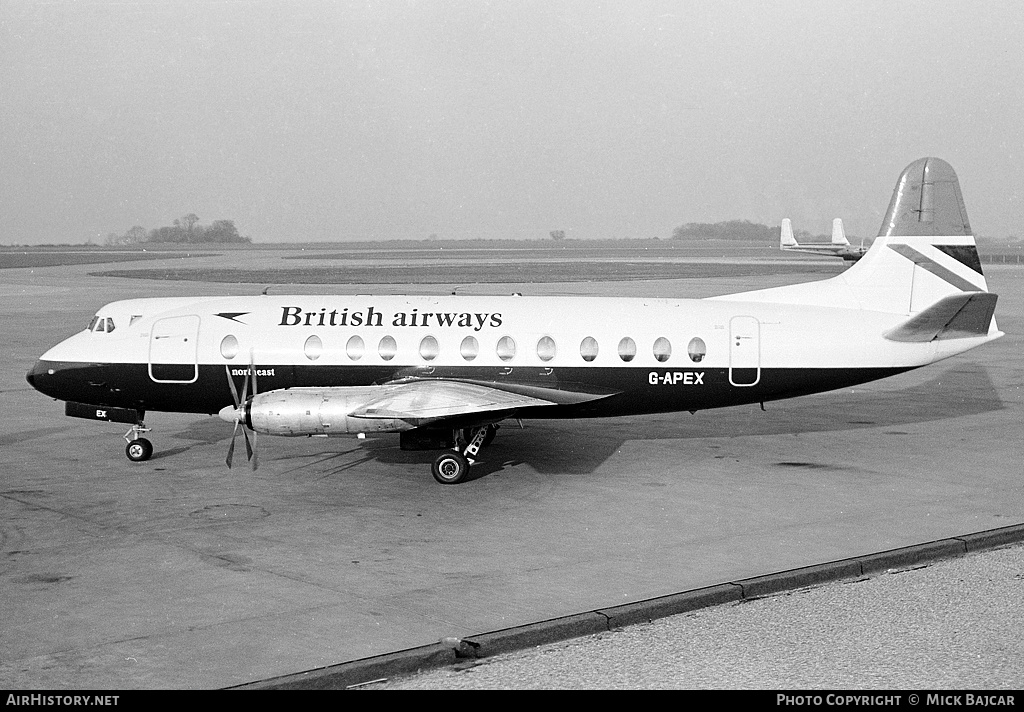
(450, 468)
(139, 450)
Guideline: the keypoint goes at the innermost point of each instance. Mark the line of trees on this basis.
(728, 230)
(184, 230)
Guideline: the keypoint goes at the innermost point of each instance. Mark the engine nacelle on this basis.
(318, 411)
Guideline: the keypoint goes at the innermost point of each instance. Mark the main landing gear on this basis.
(138, 449)
(452, 466)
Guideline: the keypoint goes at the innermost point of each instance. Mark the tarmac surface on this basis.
(179, 573)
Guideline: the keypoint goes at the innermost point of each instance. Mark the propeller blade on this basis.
(255, 461)
(231, 447)
(231, 382)
(237, 416)
(248, 445)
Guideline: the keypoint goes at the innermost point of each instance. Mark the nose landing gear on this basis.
(138, 449)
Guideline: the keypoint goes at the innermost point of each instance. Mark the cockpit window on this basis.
(100, 324)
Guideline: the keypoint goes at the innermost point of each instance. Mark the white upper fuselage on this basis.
(509, 332)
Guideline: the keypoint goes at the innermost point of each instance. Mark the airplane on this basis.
(839, 246)
(444, 371)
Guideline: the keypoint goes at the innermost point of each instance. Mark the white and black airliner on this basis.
(838, 247)
(444, 371)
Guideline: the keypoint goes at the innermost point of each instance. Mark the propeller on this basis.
(236, 415)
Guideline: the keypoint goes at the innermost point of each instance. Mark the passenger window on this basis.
(313, 347)
(696, 349)
(588, 349)
(506, 348)
(387, 348)
(354, 348)
(229, 346)
(662, 349)
(428, 348)
(546, 348)
(627, 349)
(469, 348)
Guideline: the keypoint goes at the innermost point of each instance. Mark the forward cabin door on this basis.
(173, 350)
(744, 351)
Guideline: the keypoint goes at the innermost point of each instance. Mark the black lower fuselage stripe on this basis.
(634, 390)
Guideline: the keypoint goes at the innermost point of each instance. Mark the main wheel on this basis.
(450, 468)
(139, 450)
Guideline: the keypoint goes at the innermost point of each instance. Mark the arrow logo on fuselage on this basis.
(232, 316)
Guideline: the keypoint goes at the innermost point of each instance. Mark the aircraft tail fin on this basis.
(925, 252)
(786, 238)
(925, 249)
(838, 233)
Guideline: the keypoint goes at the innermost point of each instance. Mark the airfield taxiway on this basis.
(180, 573)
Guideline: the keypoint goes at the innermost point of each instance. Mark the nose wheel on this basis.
(138, 448)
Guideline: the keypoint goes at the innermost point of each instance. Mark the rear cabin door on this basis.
(173, 350)
(744, 351)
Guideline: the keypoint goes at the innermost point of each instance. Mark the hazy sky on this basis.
(355, 120)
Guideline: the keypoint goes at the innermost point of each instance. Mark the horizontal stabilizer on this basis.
(958, 316)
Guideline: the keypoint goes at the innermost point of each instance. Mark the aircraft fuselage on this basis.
(644, 355)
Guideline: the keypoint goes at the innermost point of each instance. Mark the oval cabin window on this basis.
(470, 348)
(313, 348)
(696, 349)
(506, 348)
(546, 348)
(354, 348)
(387, 348)
(588, 349)
(428, 348)
(229, 346)
(662, 350)
(627, 349)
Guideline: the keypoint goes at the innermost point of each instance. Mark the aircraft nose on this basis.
(35, 373)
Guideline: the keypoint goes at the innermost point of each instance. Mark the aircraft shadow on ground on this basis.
(580, 447)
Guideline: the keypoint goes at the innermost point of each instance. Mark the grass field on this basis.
(535, 272)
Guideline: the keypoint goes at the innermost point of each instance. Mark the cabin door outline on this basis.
(174, 350)
(744, 351)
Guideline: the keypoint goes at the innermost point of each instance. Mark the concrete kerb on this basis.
(450, 650)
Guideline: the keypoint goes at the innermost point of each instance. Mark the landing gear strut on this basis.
(452, 467)
(138, 449)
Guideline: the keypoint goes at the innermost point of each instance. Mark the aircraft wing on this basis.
(437, 399)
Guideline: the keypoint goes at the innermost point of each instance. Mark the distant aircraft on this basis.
(443, 371)
(840, 246)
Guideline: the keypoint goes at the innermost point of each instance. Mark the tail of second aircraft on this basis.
(839, 234)
(925, 252)
(786, 238)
